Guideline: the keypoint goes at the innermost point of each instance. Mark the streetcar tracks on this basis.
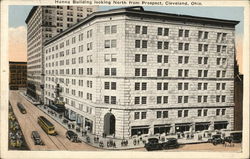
(35, 113)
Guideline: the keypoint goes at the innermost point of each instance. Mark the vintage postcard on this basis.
(124, 79)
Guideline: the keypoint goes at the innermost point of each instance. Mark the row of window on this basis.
(141, 44)
(139, 72)
(180, 113)
(221, 37)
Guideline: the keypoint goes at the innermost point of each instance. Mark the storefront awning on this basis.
(162, 125)
(140, 127)
(221, 122)
(203, 123)
(183, 124)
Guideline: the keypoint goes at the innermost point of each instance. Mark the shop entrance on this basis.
(109, 124)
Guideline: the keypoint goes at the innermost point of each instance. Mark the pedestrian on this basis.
(134, 141)
(114, 145)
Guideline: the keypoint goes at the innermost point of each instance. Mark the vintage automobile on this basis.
(216, 139)
(170, 143)
(154, 144)
(36, 138)
(72, 136)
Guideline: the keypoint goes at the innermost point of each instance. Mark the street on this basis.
(28, 123)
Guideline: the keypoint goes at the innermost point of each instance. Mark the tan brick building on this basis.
(17, 75)
(129, 71)
(44, 22)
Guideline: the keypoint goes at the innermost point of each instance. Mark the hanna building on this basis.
(44, 22)
(129, 71)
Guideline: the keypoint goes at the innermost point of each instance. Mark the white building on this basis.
(44, 22)
(128, 71)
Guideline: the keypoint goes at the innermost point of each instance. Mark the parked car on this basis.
(36, 138)
(236, 136)
(154, 144)
(216, 139)
(170, 143)
(72, 136)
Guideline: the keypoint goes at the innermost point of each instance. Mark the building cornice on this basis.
(140, 12)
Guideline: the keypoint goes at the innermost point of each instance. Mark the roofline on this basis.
(142, 12)
(32, 11)
(17, 62)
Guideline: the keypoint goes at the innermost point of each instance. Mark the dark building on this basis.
(238, 99)
(17, 74)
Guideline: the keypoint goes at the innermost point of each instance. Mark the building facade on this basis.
(129, 71)
(44, 22)
(17, 75)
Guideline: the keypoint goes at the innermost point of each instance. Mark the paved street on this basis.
(204, 147)
(28, 123)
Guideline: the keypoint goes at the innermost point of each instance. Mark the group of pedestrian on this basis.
(124, 143)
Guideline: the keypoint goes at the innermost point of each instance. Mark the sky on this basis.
(18, 14)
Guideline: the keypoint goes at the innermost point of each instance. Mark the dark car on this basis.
(216, 139)
(236, 137)
(170, 143)
(72, 136)
(36, 137)
(153, 144)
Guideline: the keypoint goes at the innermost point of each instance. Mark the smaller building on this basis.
(17, 75)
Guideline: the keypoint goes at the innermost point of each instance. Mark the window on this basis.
(179, 113)
(159, 31)
(162, 72)
(137, 115)
(143, 100)
(137, 86)
(217, 112)
(199, 112)
(137, 43)
(144, 30)
(165, 114)
(185, 113)
(143, 115)
(205, 112)
(162, 45)
(202, 35)
(144, 43)
(180, 32)
(223, 111)
(113, 99)
(143, 86)
(218, 48)
(158, 99)
(137, 29)
(110, 29)
(110, 71)
(181, 71)
(186, 33)
(217, 98)
(183, 59)
(203, 47)
(158, 114)
(140, 58)
(143, 72)
(137, 100)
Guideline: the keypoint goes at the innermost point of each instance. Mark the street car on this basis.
(72, 136)
(36, 138)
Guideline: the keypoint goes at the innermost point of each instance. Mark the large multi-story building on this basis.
(17, 75)
(44, 22)
(129, 71)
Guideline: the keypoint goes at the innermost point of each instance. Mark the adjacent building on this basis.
(44, 22)
(17, 75)
(129, 71)
(238, 98)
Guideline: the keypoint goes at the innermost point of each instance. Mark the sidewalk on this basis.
(108, 142)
